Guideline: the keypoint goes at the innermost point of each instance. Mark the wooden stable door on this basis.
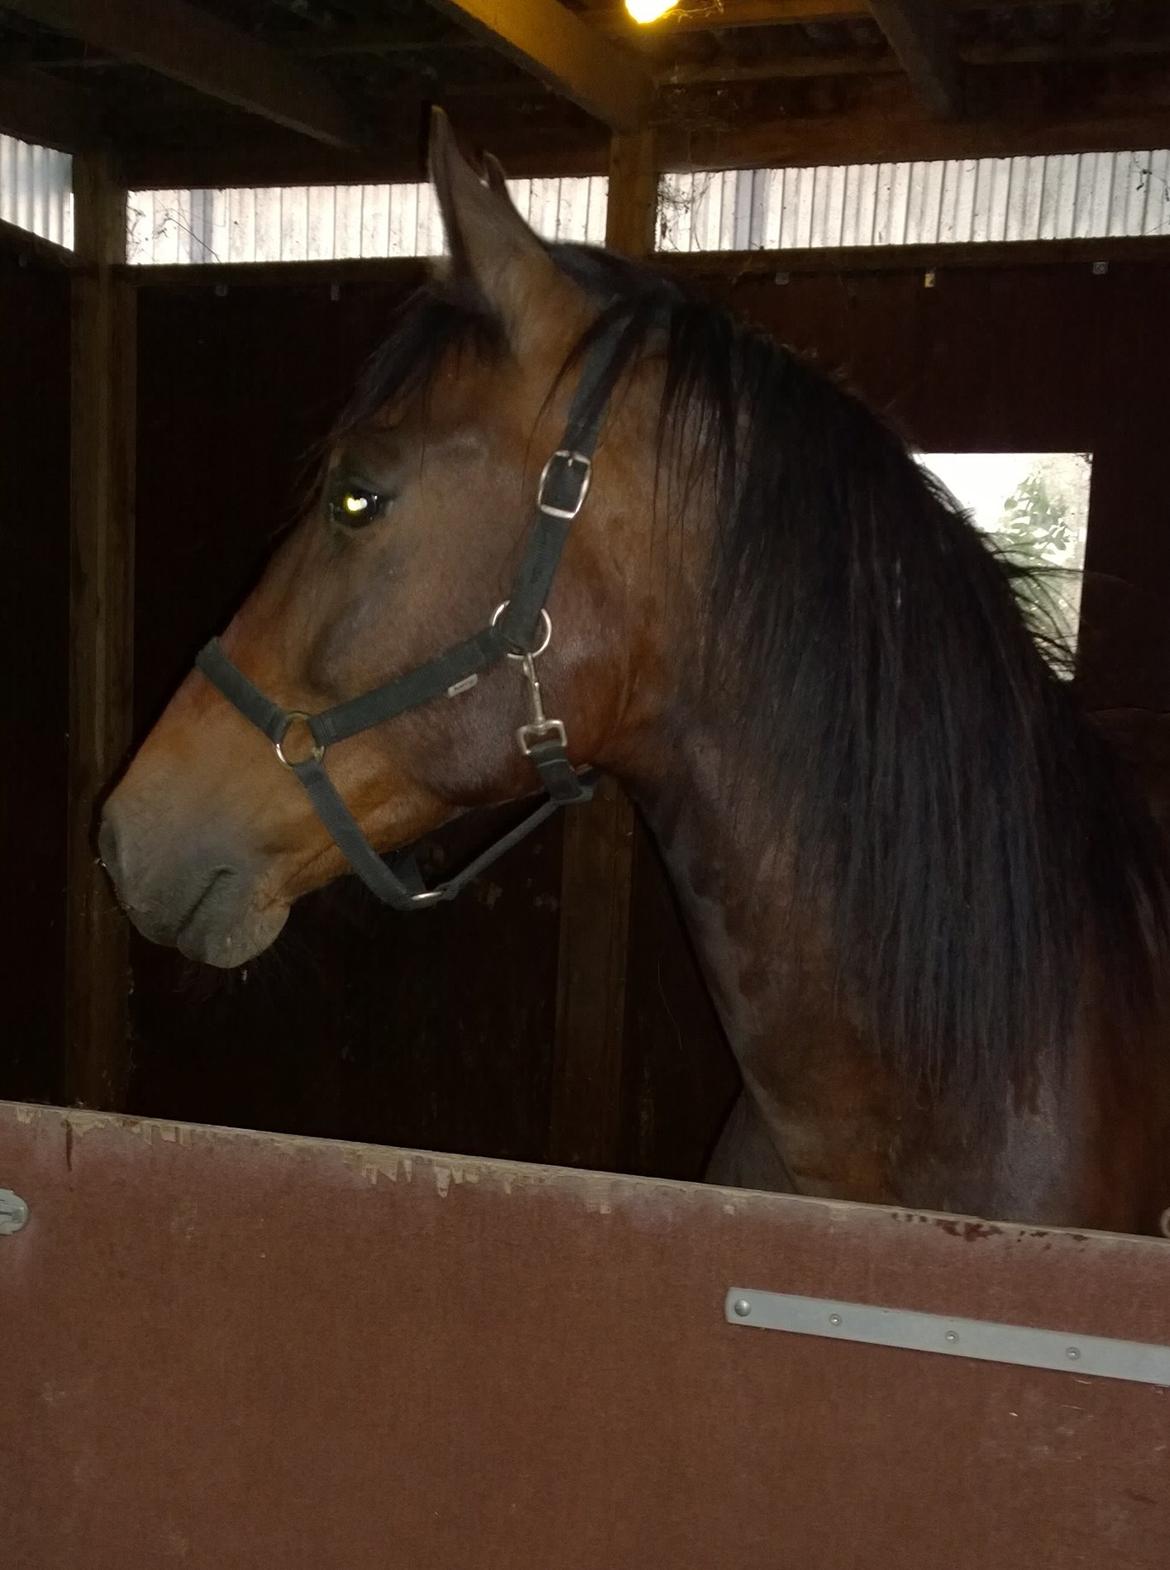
(240, 1351)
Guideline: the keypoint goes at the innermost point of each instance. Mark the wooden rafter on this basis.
(780, 67)
(885, 124)
(19, 244)
(919, 33)
(701, 15)
(706, 15)
(191, 46)
(572, 58)
(38, 108)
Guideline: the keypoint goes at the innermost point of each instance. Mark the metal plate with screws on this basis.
(13, 1212)
(1137, 1361)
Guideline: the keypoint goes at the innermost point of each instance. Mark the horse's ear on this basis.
(488, 239)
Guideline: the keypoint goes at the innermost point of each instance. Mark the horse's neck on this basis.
(820, 1090)
(841, 1122)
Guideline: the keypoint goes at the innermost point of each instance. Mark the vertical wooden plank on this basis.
(101, 612)
(585, 1121)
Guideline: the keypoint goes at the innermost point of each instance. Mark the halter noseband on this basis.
(520, 630)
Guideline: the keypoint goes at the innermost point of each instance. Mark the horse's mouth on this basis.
(225, 927)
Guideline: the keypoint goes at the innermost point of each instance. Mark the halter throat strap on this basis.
(519, 630)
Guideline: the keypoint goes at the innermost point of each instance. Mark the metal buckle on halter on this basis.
(530, 736)
(540, 727)
(292, 718)
(576, 467)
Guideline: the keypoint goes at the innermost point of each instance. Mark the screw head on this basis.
(952, 1336)
(13, 1212)
(834, 1319)
(741, 1307)
(1073, 1354)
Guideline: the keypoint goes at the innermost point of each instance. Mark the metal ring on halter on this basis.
(290, 720)
(545, 635)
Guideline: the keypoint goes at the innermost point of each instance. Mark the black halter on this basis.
(520, 629)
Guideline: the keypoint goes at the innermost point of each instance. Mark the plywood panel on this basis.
(241, 1351)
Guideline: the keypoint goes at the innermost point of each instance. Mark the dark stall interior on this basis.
(34, 656)
(441, 1030)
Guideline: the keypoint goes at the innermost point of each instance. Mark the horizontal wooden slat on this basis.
(920, 258)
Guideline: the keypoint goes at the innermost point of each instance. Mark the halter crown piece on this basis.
(520, 630)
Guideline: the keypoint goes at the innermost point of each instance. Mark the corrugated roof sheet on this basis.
(36, 189)
(957, 201)
(326, 223)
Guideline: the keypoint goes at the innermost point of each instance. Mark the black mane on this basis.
(934, 781)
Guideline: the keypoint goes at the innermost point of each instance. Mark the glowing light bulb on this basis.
(649, 10)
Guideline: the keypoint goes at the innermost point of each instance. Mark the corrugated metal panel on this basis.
(36, 189)
(959, 201)
(326, 223)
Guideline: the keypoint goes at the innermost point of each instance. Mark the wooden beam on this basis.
(526, 151)
(919, 33)
(598, 857)
(586, 1092)
(404, 273)
(547, 39)
(784, 67)
(632, 208)
(693, 16)
(101, 629)
(884, 122)
(888, 125)
(776, 68)
(192, 46)
(38, 108)
(920, 259)
(22, 247)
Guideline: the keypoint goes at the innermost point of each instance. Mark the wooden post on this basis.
(599, 839)
(101, 628)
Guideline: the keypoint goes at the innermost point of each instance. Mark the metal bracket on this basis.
(1138, 1361)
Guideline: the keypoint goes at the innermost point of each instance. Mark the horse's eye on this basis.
(355, 505)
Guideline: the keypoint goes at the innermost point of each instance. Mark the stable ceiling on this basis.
(300, 91)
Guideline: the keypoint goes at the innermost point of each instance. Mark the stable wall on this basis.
(34, 673)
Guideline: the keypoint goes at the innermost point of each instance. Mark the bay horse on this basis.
(576, 518)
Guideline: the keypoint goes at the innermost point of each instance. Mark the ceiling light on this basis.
(649, 10)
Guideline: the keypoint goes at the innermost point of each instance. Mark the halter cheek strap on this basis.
(520, 631)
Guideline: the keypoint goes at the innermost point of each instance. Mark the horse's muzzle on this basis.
(192, 897)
